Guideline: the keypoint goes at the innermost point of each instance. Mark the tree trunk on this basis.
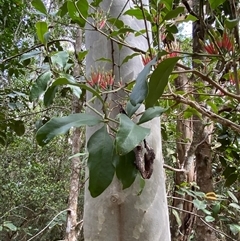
(201, 143)
(73, 227)
(183, 142)
(117, 214)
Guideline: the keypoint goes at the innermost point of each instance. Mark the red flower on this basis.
(210, 48)
(146, 59)
(103, 80)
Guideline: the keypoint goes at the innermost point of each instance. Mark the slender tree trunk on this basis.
(183, 142)
(123, 215)
(201, 144)
(73, 227)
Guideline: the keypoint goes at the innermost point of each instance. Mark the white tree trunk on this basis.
(123, 215)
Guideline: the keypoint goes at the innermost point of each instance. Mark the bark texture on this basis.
(73, 227)
(123, 215)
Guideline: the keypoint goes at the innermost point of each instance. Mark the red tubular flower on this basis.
(101, 80)
(226, 43)
(146, 59)
(210, 48)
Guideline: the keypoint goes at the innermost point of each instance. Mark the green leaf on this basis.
(49, 95)
(78, 12)
(151, 113)
(234, 205)
(10, 226)
(159, 80)
(83, 8)
(209, 219)
(63, 10)
(130, 109)
(232, 196)
(82, 55)
(61, 125)
(40, 85)
(69, 81)
(19, 127)
(42, 28)
(30, 55)
(174, 13)
(38, 5)
(140, 90)
(235, 228)
(200, 205)
(129, 135)
(177, 216)
(126, 59)
(60, 59)
(231, 23)
(167, 3)
(126, 170)
(137, 13)
(215, 3)
(231, 179)
(100, 161)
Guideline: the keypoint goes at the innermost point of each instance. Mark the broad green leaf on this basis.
(60, 59)
(78, 11)
(130, 109)
(215, 3)
(235, 228)
(137, 13)
(39, 5)
(82, 55)
(42, 28)
(129, 135)
(190, 18)
(83, 8)
(126, 170)
(19, 127)
(234, 205)
(200, 205)
(10, 226)
(231, 23)
(40, 85)
(69, 81)
(174, 13)
(209, 219)
(30, 55)
(151, 113)
(49, 95)
(63, 10)
(140, 90)
(167, 3)
(61, 125)
(100, 161)
(216, 209)
(159, 80)
(231, 179)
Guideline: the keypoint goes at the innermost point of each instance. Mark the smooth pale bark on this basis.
(123, 214)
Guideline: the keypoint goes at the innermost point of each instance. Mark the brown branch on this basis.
(174, 169)
(34, 47)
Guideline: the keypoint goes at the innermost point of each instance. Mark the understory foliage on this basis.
(37, 83)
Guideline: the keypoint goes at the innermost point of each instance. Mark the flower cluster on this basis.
(225, 44)
(101, 80)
